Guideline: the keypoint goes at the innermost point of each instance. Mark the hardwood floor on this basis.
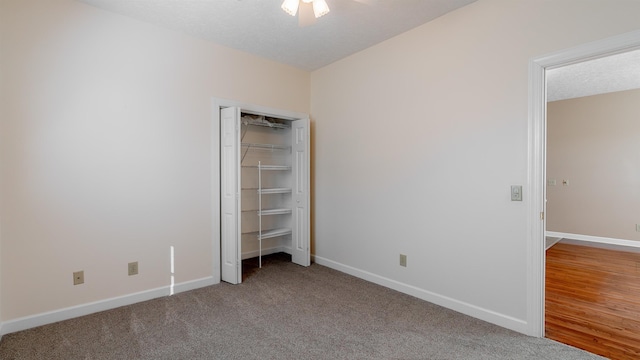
(593, 300)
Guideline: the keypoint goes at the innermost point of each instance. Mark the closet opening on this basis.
(264, 173)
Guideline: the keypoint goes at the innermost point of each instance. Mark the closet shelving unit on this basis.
(263, 170)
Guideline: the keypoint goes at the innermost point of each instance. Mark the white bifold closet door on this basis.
(230, 222)
(230, 227)
(300, 242)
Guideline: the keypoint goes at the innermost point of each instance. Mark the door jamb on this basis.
(537, 159)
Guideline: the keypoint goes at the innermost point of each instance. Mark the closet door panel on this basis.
(300, 247)
(230, 200)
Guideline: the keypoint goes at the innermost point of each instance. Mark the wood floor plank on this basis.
(593, 299)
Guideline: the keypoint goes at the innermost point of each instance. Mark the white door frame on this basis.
(537, 160)
(217, 104)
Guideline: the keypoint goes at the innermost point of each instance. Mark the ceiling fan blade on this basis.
(306, 16)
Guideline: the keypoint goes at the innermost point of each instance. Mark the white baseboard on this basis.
(549, 241)
(597, 241)
(493, 317)
(50, 317)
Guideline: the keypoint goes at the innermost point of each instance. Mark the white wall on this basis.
(106, 150)
(418, 139)
(592, 143)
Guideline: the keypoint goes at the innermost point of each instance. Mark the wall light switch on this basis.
(516, 192)
(551, 182)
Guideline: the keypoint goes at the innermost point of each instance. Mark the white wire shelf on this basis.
(266, 146)
(269, 190)
(262, 121)
(274, 212)
(267, 212)
(268, 167)
(267, 234)
(274, 191)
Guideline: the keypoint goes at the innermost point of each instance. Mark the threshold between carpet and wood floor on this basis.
(282, 311)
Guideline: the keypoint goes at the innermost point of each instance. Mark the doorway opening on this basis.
(537, 160)
(591, 297)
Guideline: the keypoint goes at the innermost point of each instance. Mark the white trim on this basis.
(102, 305)
(215, 192)
(535, 198)
(441, 300)
(256, 109)
(595, 239)
(537, 147)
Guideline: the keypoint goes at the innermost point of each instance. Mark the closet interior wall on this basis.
(266, 185)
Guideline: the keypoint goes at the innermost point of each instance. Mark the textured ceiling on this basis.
(261, 27)
(599, 76)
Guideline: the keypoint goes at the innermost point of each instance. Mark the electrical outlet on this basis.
(78, 277)
(133, 268)
(403, 260)
(516, 192)
(638, 227)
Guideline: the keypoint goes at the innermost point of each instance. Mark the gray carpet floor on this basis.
(282, 311)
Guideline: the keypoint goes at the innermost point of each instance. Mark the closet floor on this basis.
(251, 266)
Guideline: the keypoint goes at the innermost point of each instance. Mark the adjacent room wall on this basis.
(592, 143)
(106, 150)
(418, 140)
